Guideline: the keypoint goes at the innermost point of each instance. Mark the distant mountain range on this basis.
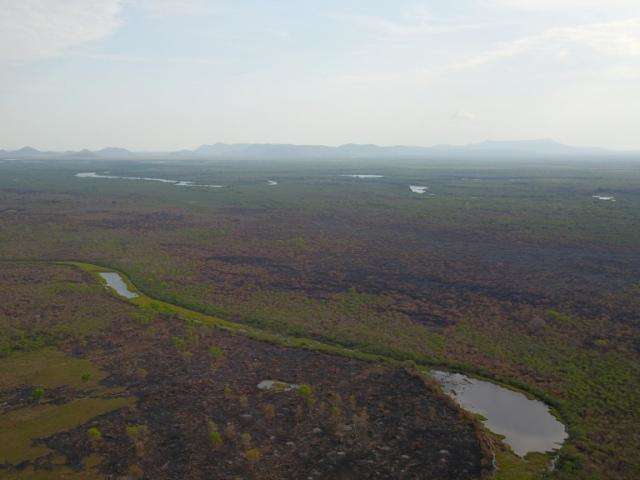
(497, 149)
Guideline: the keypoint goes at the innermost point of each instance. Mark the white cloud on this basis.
(463, 115)
(414, 23)
(32, 29)
(564, 4)
(624, 72)
(175, 8)
(150, 60)
(616, 39)
(170, 8)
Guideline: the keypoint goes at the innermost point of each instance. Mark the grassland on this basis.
(153, 391)
(514, 271)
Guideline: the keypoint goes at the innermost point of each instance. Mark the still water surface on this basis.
(114, 280)
(526, 424)
(179, 183)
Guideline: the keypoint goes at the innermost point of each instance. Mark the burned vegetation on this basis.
(513, 271)
(144, 394)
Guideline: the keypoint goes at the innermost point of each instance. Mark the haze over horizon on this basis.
(170, 74)
(543, 146)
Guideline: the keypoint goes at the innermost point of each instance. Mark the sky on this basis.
(172, 74)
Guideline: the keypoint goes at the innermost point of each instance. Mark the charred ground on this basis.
(515, 270)
(147, 395)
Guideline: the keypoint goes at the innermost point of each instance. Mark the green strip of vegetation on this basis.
(512, 463)
(47, 368)
(189, 315)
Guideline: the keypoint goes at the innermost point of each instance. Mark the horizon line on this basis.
(548, 140)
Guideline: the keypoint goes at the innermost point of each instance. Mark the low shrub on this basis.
(37, 394)
(253, 455)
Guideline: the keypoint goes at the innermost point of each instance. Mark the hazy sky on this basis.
(165, 74)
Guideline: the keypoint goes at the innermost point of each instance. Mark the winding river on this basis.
(526, 424)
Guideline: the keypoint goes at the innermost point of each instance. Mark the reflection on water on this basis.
(115, 281)
(277, 386)
(363, 176)
(526, 424)
(178, 183)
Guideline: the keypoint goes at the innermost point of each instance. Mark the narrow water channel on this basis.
(526, 424)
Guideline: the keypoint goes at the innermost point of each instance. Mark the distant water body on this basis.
(363, 176)
(178, 183)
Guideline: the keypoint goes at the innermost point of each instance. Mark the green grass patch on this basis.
(512, 467)
(48, 368)
(19, 428)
